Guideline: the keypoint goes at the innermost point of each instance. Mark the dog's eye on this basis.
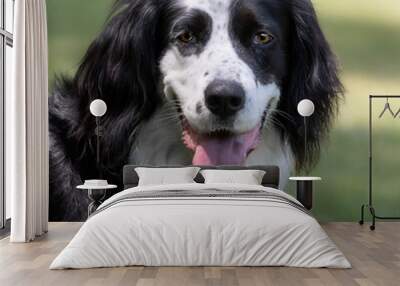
(263, 38)
(185, 37)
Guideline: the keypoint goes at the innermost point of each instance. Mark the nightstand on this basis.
(304, 190)
(96, 195)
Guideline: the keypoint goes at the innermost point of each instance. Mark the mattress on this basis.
(201, 225)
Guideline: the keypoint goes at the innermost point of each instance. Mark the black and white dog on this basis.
(193, 82)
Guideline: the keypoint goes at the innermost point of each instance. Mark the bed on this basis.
(198, 224)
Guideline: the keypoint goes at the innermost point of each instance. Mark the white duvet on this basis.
(202, 231)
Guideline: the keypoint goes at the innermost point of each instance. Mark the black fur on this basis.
(121, 67)
(313, 74)
(200, 23)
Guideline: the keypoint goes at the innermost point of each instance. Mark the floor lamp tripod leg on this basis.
(361, 222)
(372, 210)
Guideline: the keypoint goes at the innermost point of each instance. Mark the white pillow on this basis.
(247, 177)
(166, 176)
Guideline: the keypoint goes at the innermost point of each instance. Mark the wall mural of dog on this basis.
(193, 82)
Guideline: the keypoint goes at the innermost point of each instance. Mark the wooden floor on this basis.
(375, 257)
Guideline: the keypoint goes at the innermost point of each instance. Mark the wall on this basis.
(364, 35)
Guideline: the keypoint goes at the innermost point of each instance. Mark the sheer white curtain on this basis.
(27, 124)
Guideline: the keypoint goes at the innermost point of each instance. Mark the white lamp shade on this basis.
(98, 108)
(306, 107)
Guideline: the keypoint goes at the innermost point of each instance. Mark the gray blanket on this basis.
(206, 193)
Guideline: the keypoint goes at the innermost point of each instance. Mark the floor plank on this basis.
(375, 257)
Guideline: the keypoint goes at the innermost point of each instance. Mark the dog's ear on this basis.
(312, 74)
(122, 61)
(121, 67)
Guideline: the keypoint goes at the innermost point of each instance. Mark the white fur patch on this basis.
(188, 77)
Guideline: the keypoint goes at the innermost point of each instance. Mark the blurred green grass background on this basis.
(365, 34)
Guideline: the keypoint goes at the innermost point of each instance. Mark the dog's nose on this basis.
(224, 98)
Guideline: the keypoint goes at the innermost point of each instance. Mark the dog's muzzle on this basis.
(224, 99)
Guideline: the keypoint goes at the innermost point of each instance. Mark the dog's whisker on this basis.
(271, 122)
(284, 115)
(171, 112)
(166, 120)
(168, 117)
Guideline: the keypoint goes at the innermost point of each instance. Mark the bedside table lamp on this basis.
(98, 108)
(305, 108)
(304, 190)
(97, 188)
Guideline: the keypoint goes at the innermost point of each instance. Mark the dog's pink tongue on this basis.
(225, 151)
